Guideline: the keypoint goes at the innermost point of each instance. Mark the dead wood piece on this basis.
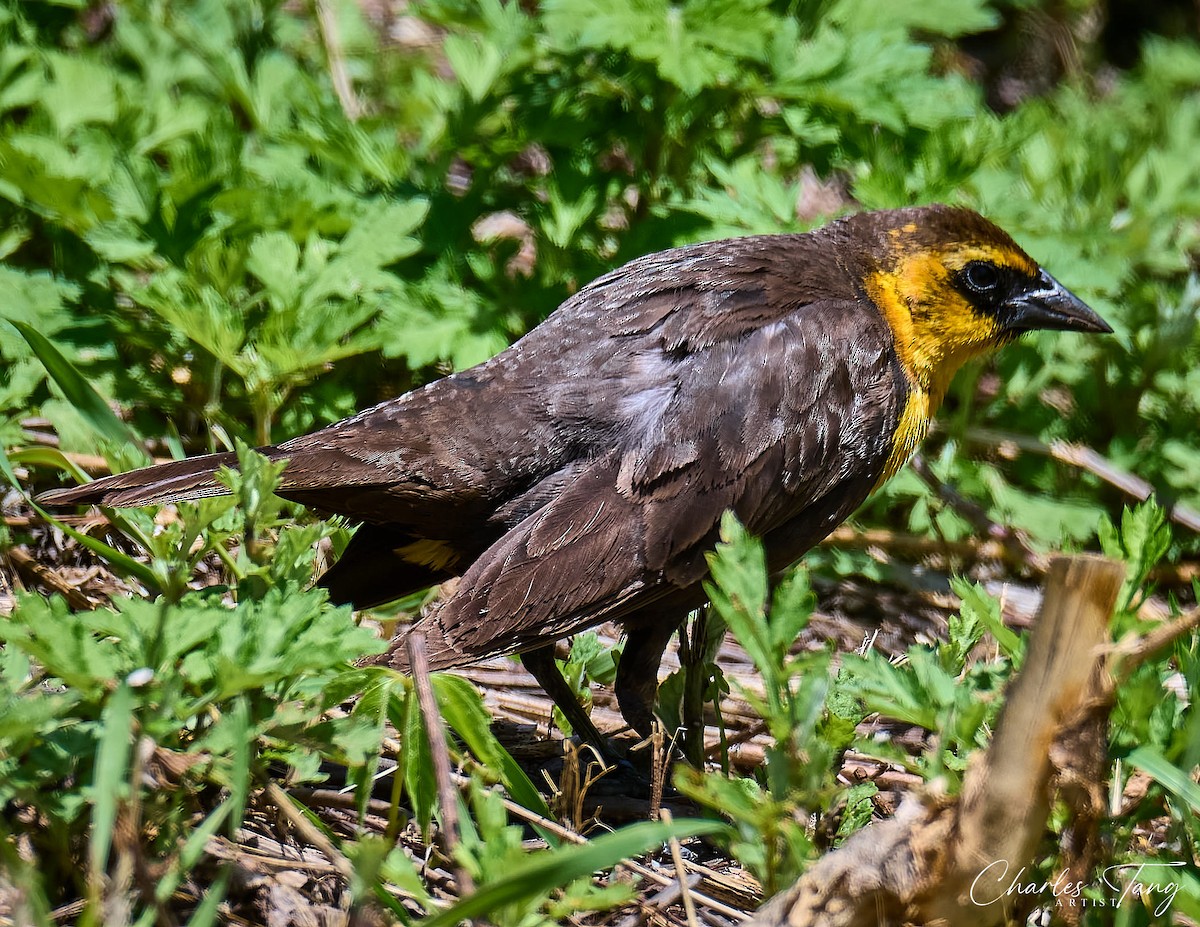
(951, 862)
(1088, 460)
(36, 571)
(439, 753)
(308, 831)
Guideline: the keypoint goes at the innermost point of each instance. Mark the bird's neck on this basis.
(934, 333)
(933, 328)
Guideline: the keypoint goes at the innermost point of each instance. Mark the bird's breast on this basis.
(911, 429)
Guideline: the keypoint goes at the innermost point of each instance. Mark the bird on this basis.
(580, 476)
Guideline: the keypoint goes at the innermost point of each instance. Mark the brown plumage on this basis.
(580, 475)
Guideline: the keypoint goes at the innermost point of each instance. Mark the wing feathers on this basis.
(178, 481)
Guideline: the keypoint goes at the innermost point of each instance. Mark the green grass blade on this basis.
(49, 457)
(462, 707)
(209, 908)
(120, 561)
(193, 849)
(6, 468)
(78, 391)
(1151, 761)
(111, 774)
(239, 777)
(53, 457)
(555, 868)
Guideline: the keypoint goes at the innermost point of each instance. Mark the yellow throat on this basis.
(935, 327)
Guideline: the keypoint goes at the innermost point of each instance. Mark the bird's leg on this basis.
(637, 673)
(544, 669)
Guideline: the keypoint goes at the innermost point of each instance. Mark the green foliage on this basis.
(1142, 541)
(943, 688)
(186, 201)
(227, 688)
(518, 884)
(193, 228)
(589, 661)
(950, 690)
(808, 732)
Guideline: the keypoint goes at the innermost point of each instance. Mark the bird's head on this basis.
(953, 286)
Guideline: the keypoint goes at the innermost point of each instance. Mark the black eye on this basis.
(981, 276)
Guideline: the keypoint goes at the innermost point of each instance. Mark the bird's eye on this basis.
(981, 276)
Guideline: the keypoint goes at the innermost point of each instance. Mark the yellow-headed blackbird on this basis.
(580, 475)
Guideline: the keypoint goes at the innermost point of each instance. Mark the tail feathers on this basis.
(178, 481)
(370, 572)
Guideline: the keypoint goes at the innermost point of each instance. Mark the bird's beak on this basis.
(1050, 305)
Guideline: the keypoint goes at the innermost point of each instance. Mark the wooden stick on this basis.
(331, 38)
(308, 830)
(418, 663)
(25, 563)
(951, 862)
(689, 908)
(1090, 461)
(1005, 799)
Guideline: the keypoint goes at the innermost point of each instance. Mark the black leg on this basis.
(637, 673)
(541, 665)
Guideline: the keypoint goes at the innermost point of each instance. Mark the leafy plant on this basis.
(808, 735)
(199, 227)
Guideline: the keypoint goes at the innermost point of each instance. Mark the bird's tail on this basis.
(178, 481)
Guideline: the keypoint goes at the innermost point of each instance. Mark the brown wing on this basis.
(789, 425)
(445, 471)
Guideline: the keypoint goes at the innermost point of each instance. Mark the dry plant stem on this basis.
(918, 547)
(658, 769)
(950, 862)
(689, 907)
(342, 801)
(225, 849)
(1088, 460)
(522, 813)
(132, 813)
(1125, 659)
(915, 547)
(1017, 546)
(307, 830)
(25, 563)
(1064, 649)
(432, 718)
(331, 38)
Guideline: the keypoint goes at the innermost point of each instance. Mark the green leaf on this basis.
(83, 91)
(556, 868)
(463, 709)
(78, 391)
(209, 909)
(476, 63)
(193, 849)
(978, 609)
(1175, 780)
(110, 778)
(415, 763)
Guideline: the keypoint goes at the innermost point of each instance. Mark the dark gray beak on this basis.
(1047, 304)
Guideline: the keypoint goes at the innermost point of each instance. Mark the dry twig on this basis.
(1088, 460)
(418, 662)
(689, 906)
(25, 563)
(307, 830)
(331, 38)
(950, 862)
